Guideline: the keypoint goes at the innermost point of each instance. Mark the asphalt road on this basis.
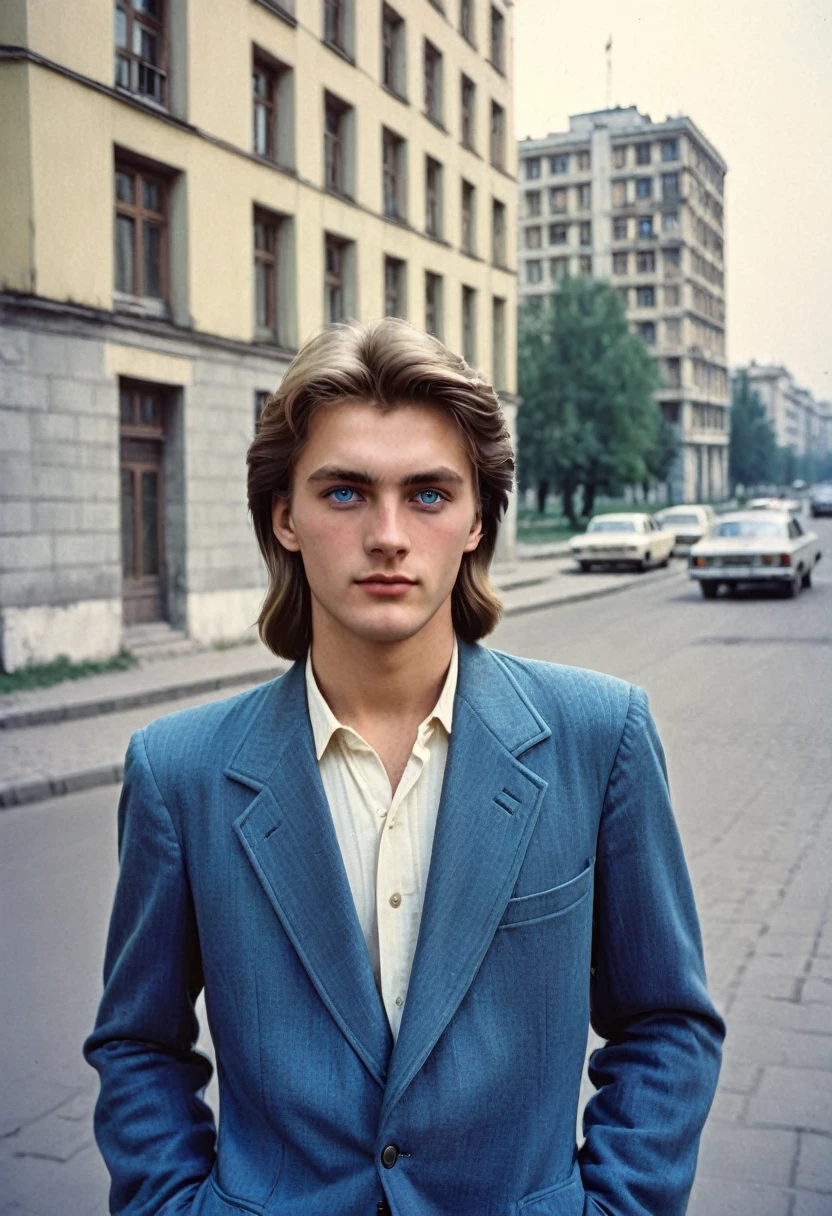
(742, 691)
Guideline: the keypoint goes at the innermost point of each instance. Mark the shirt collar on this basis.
(325, 724)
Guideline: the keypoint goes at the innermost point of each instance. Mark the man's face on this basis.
(382, 508)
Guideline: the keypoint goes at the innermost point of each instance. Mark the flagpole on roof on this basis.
(608, 49)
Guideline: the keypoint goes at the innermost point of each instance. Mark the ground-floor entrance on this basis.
(142, 409)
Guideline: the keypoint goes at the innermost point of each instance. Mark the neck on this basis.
(364, 680)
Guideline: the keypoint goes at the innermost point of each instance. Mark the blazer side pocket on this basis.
(528, 909)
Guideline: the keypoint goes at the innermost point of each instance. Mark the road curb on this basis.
(39, 789)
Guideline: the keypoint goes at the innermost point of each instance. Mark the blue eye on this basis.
(429, 498)
(342, 494)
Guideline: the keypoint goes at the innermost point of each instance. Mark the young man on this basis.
(408, 873)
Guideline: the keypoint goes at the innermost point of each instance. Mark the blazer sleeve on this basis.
(153, 1129)
(657, 1074)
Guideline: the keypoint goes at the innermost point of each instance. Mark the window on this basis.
(335, 144)
(433, 197)
(392, 51)
(645, 226)
(647, 332)
(670, 221)
(534, 237)
(619, 157)
(644, 187)
(619, 228)
(672, 258)
(558, 200)
(534, 271)
(498, 233)
(671, 297)
(619, 194)
(533, 202)
(141, 254)
(584, 194)
(670, 149)
(533, 168)
(585, 234)
(433, 304)
(394, 269)
(642, 154)
(673, 373)
(469, 243)
(646, 297)
(585, 266)
(498, 136)
(466, 20)
(670, 186)
(271, 89)
(264, 87)
(393, 152)
(620, 263)
(469, 98)
(261, 399)
(558, 234)
(498, 342)
(497, 39)
(433, 82)
(559, 164)
(335, 285)
(335, 23)
(141, 50)
(646, 262)
(265, 275)
(673, 331)
(584, 162)
(469, 325)
(559, 269)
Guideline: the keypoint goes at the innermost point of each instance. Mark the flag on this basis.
(608, 47)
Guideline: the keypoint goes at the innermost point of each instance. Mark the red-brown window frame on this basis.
(268, 103)
(157, 26)
(139, 213)
(267, 258)
(334, 144)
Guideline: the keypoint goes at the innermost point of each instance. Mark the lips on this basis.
(386, 584)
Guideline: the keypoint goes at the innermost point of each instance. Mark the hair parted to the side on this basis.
(388, 363)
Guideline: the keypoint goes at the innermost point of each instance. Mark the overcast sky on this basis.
(756, 78)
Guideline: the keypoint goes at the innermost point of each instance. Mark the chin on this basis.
(386, 627)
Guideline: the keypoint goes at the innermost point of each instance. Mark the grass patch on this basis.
(542, 533)
(44, 675)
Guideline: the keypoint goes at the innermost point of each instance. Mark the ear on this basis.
(282, 525)
(474, 536)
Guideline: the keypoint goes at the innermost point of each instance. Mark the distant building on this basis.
(799, 421)
(640, 204)
(185, 197)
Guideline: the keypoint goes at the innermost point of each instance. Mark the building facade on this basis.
(640, 204)
(798, 419)
(187, 195)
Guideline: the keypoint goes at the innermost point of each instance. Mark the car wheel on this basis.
(709, 590)
(585, 566)
(806, 581)
(792, 588)
(665, 563)
(732, 588)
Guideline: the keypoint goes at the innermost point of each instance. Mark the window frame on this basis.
(158, 27)
(336, 9)
(268, 105)
(139, 214)
(335, 161)
(468, 112)
(393, 145)
(392, 51)
(469, 324)
(499, 248)
(397, 295)
(434, 287)
(644, 153)
(433, 198)
(468, 205)
(334, 280)
(497, 141)
(267, 259)
(497, 39)
(432, 64)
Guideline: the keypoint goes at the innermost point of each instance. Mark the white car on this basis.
(792, 505)
(690, 524)
(768, 547)
(625, 539)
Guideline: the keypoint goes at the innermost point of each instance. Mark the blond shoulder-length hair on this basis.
(389, 363)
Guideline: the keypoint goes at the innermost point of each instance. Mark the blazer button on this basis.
(383, 1209)
(389, 1156)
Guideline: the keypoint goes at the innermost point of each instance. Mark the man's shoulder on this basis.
(578, 688)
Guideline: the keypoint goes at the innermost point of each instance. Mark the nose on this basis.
(386, 534)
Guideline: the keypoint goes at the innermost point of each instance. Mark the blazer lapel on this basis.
(289, 838)
(489, 806)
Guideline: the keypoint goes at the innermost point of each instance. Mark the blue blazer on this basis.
(557, 895)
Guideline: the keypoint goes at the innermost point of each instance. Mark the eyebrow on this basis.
(330, 472)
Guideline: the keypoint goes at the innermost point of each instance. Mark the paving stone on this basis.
(738, 1076)
(718, 1197)
(728, 1107)
(793, 1097)
(747, 1154)
(61, 1134)
(755, 1043)
(809, 1204)
(814, 1163)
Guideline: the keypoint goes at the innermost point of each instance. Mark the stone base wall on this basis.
(87, 630)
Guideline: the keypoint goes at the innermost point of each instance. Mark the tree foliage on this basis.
(753, 457)
(589, 417)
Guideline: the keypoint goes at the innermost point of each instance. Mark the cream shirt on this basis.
(385, 839)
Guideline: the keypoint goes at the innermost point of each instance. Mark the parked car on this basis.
(689, 524)
(760, 547)
(792, 505)
(820, 502)
(629, 538)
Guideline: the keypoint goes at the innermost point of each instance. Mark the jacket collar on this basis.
(489, 805)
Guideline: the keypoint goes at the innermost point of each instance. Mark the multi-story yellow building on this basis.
(640, 204)
(188, 191)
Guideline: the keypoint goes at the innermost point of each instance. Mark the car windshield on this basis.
(687, 520)
(750, 528)
(611, 525)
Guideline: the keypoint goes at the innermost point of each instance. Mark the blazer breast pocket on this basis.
(543, 905)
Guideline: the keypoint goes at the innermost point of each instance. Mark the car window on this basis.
(685, 521)
(611, 525)
(795, 529)
(749, 529)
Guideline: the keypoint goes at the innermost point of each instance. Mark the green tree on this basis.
(753, 457)
(589, 417)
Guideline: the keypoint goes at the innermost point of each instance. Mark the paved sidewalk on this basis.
(72, 737)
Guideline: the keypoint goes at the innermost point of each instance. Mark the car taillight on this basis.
(699, 561)
(785, 559)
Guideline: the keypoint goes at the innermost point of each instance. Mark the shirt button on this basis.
(395, 900)
(389, 1156)
(399, 1001)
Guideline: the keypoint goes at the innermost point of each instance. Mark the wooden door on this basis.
(142, 503)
